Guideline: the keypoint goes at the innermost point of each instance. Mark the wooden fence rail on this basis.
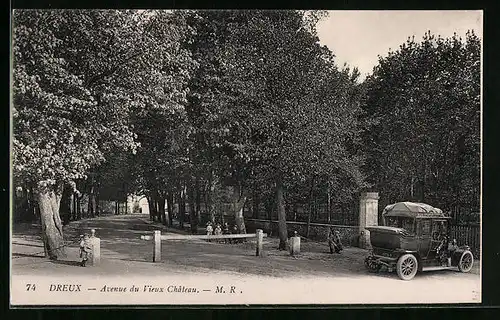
(469, 235)
(158, 237)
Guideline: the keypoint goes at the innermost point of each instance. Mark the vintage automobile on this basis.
(415, 237)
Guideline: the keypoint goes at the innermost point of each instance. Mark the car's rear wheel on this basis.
(466, 261)
(407, 267)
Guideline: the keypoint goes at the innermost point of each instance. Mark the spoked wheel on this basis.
(407, 267)
(466, 261)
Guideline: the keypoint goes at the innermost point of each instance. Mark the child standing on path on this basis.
(210, 229)
(84, 249)
(218, 231)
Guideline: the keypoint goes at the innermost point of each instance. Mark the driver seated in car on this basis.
(452, 246)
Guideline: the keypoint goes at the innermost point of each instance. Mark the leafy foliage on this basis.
(70, 101)
(159, 102)
(424, 108)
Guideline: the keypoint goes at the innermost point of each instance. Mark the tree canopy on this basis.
(423, 102)
(182, 105)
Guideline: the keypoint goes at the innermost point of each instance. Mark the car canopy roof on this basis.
(412, 210)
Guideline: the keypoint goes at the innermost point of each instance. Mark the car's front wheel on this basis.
(407, 267)
(466, 261)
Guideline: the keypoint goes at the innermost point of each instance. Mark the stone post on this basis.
(260, 237)
(95, 245)
(368, 216)
(157, 246)
(295, 244)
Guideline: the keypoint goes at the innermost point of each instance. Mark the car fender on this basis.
(413, 252)
(455, 256)
(404, 251)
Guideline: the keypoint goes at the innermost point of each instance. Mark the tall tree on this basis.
(282, 108)
(423, 115)
(160, 121)
(73, 75)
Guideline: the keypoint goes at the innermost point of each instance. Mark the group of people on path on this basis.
(223, 230)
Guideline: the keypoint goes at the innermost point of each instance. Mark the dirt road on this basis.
(314, 277)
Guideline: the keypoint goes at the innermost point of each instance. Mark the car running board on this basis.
(438, 268)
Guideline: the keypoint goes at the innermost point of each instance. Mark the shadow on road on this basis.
(67, 263)
(121, 243)
(27, 255)
(27, 244)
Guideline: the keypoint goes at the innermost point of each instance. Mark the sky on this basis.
(358, 37)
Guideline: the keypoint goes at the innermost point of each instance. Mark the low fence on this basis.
(469, 234)
(349, 235)
(157, 238)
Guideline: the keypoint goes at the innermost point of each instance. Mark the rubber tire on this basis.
(399, 266)
(467, 252)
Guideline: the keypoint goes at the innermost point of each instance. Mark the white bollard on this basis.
(157, 246)
(295, 244)
(260, 237)
(95, 245)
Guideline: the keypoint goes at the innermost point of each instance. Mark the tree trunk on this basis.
(206, 199)
(161, 211)
(157, 209)
(424, 181)
(193, 219)
(239, 204)
(269, 207)
(198, 200)
(152, 208)
(329, 203)
(49, 200)
(90, 205)
(311, 207)
(96, 203)
(308, 221)
(170, 205)
(79, 207)
(182, 207)
(282, 228)
(159, 216)
(255, 209)
(65, 206)
(74, 207)
(210, 198)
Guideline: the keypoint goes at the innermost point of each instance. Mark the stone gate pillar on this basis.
(368, 216)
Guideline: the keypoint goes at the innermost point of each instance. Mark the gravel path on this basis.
(316, 276)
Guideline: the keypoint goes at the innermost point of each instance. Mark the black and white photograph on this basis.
(245, 157)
